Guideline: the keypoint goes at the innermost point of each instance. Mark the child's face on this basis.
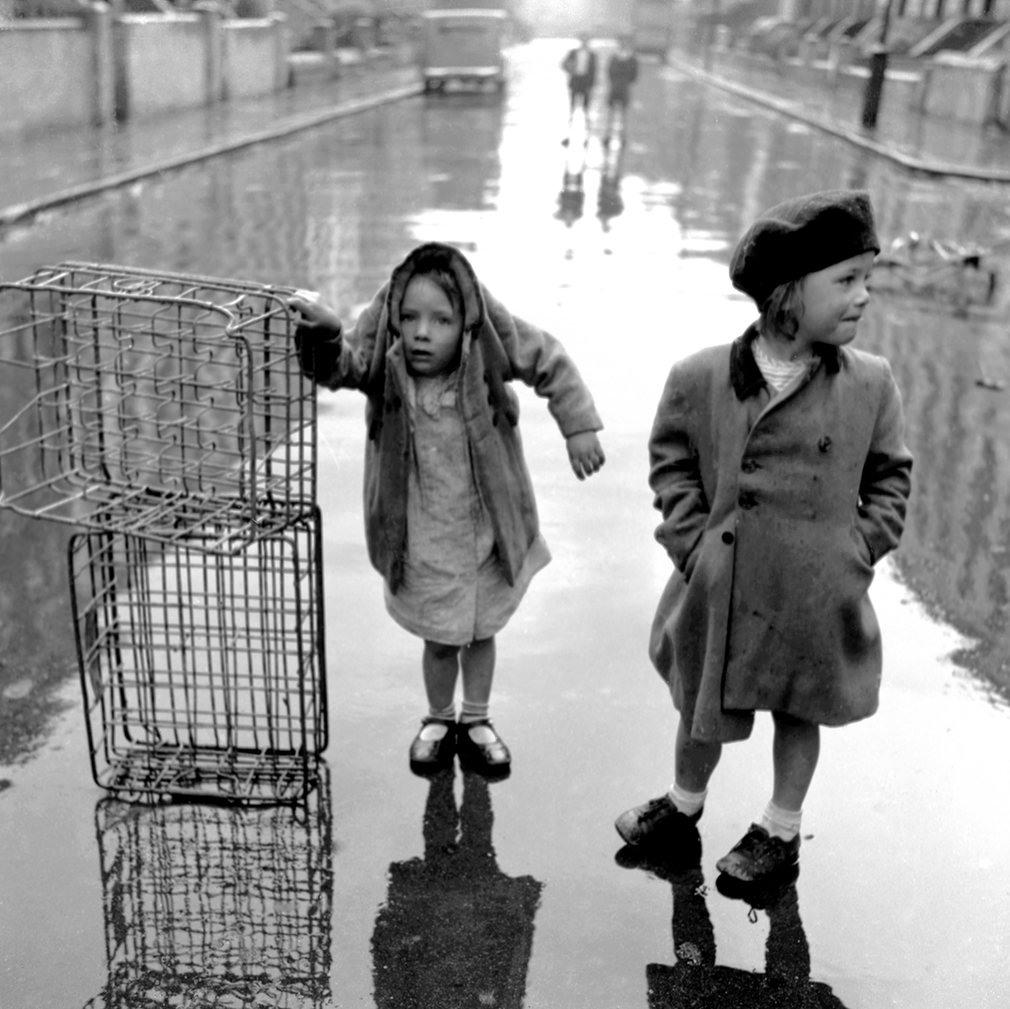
(833, 301)
(431, 328)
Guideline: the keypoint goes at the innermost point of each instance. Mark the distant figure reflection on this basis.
(455, 931)
(609, 202)
(695, 979)
(572, 197)
(212, 905)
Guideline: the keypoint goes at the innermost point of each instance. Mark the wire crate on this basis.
(157, 404)
(203, 674)
(217, 907)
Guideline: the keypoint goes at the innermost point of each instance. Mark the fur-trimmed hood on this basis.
(436, 256)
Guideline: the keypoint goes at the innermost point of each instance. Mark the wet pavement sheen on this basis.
(392, 890)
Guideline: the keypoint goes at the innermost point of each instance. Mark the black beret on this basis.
(801, 236)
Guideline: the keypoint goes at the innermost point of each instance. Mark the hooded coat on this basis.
(775, 510)
(497, 348)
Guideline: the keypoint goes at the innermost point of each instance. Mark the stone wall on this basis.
(102, 68)
(47, 74)
(162, 63)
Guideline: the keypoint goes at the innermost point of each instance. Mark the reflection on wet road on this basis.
(904, 902)
(209, 905)
(454, 930)
(696, 979)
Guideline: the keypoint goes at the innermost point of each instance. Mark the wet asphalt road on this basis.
(394, 891)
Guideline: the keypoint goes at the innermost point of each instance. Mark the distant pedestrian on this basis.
(580, 66)
(450, 516)
(779, 465)
(622, 72)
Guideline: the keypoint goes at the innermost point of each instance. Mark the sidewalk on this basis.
(922, 144)
(43, 172)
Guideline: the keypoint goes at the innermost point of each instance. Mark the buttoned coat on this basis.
(775, 510)
(497, 348)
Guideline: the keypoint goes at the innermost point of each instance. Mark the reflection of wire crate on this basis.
(203, 673)
(216, 907)
(160, 404)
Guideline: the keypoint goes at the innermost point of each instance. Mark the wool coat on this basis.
(775, 509)
(497, 348)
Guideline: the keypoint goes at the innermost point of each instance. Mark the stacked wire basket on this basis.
(164, 417)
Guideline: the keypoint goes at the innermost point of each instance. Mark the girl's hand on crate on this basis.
(314, 314)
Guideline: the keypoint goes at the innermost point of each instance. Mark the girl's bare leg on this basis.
(795, 749)
(694, 760)
(478, 662)
(440, 665)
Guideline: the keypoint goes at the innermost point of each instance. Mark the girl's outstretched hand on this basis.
(312, 311)
(585, 453)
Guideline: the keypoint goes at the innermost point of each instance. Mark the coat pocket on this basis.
(862, 547)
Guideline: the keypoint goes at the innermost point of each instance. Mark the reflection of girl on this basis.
(696, 980)
(455, 931)
(451, 520)
(780, 468)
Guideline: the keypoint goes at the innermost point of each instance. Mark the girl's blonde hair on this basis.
(782, 310)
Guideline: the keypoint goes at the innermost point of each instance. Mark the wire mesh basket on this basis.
(156, 403)
(203, 673)
(217, 907)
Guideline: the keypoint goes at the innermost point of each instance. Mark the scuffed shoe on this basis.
(657, 822)
(760, 856)
(428, 755)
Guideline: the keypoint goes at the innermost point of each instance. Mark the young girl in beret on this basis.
(450, 517)
(779, 466)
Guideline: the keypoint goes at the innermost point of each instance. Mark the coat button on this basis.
(728, 538)
(746, 499)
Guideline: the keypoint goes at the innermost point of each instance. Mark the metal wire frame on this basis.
(161, 404)
(203, 674)
(217, 907)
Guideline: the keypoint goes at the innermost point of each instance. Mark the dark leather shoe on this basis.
(427, 755)
(491, 759)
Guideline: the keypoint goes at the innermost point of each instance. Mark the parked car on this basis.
(463, 46)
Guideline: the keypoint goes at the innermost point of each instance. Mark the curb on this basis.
(20, 212)
(910, 163)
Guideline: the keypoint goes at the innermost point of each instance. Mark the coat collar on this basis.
(744, 373)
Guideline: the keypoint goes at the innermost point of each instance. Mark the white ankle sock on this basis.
(779, 822)
(477, 711)
(686, 802)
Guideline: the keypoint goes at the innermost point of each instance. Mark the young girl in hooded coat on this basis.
(450, 517)
(779, 466)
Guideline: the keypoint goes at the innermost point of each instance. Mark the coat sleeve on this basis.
(538, 359)
(336, 361)
(675, 474)
(886, 479)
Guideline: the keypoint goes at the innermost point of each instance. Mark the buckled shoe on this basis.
(491, 759)
(427, 755)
